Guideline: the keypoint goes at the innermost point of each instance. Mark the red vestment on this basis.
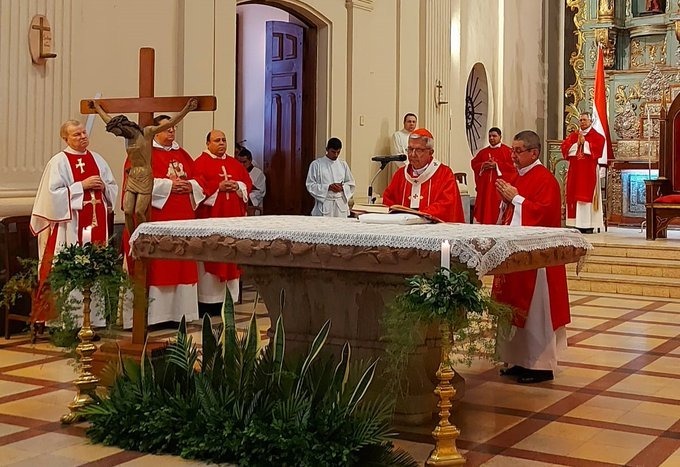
(488, 201)
(210, 172)
(541, 207)
(438, 195)
(582, 174)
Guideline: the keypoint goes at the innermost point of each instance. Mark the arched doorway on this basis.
(276, 95)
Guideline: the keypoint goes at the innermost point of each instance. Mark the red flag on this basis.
(600, 123)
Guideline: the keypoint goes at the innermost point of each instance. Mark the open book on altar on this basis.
(395, 214)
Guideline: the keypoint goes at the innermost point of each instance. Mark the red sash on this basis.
(94, 211)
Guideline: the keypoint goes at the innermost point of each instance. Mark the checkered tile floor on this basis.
(615, 401)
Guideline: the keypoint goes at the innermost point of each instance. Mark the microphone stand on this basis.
(371, 198)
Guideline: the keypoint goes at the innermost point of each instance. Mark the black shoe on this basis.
(535, 376)
(513, 371)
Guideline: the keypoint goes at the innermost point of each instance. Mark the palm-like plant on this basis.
(237, 401)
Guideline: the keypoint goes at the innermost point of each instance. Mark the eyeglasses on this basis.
(519, 151)
(418, 151)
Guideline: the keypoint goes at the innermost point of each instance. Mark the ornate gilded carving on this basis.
(636, 54)
(576, 91)
(605, 11)
(637, 150)
(607, 39)
(626, 122)
(655, 85)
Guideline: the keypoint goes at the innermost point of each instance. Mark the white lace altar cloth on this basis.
(480, 247)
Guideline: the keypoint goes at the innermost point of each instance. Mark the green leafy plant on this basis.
(236, 401)
(95, 266)
(451, 298)
(21, 284)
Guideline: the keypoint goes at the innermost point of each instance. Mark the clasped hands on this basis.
(93, 182)
(228, 185)
(335, 187)
(507, 191)
(490, 164)
(180, 186)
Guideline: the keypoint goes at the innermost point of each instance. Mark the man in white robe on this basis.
(399, 141)
(330, 182)
(258, 178)
(69, 176)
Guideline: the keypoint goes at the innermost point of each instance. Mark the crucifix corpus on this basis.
(139, 139)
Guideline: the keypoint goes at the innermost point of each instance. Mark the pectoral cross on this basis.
(94, 202)
(80, 165)
(226, 177)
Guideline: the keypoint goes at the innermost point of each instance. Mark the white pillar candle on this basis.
(446, 256)
(87, 234)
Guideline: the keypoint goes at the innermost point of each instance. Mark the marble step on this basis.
(663, 287)
(661, 250)
(649, 267)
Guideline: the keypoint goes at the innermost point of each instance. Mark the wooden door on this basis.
(284, 164)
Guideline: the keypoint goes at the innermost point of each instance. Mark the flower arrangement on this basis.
(451, 298)
(90, 266)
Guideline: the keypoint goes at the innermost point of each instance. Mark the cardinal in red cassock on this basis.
(425, 183)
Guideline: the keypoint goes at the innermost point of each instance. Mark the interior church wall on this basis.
(507, 38)
(370, 72)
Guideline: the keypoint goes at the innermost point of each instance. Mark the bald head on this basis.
(217, 142)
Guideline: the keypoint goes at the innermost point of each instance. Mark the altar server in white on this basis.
(330, 182)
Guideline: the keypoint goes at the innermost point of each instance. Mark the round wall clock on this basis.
(476, 108)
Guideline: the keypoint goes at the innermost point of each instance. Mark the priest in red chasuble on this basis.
(176, 194)
(582, 149)
(75, 195)
(425, 183)
(540, 297)
(490, 164)
(227, 186)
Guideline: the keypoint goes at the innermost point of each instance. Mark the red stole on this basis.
(93, 212)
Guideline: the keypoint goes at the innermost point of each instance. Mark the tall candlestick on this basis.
(446, 256)
(87, 234)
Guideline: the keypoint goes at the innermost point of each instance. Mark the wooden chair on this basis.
(16, 241)
(663, 194)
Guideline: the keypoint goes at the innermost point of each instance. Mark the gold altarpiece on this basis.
(640, 43)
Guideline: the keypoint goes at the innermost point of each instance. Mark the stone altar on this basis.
(347, 271)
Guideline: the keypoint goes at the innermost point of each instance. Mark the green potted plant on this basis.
(469, 321)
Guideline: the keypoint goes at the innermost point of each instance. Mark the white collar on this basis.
(425, 173)
(496, 146)
(173, 147)
(214, 156)
(524, 170)
(584, 132)
(70, 150)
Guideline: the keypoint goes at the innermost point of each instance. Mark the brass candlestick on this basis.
(445, 451)
(86, 383)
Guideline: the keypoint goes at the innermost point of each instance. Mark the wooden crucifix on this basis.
(136, 199)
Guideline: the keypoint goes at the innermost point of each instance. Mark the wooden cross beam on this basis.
(146, 104)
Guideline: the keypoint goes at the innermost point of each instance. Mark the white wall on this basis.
(507, 38)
